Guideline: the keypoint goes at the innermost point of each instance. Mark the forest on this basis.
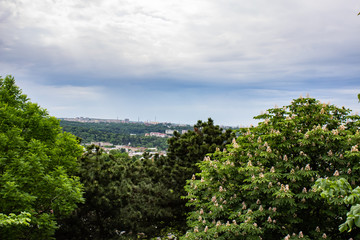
(293, 176)
(122, 133)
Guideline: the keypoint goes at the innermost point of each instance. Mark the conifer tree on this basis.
(184, 153)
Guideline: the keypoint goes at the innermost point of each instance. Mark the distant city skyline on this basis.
(180, 61)
(127, 120)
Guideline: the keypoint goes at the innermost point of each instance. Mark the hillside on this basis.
(132, 134)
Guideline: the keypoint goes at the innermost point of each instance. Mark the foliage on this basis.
(37, 162)
(127, 197)
(12, 219)
(121, 133)
(124, 197)
(260, 187)
(340, 192)
(184, 152)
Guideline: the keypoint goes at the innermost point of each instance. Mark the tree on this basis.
(184, 152)
(339, 191)
(106, 188)
(261, 186)
(37, 163)
(124, 198)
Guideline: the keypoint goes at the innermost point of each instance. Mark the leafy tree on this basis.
(260, 187)
(339, 191)
(37, 162)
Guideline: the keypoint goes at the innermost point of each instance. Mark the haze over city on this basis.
(180, 61)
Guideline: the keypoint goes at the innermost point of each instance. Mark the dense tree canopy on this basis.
(261, 186)
(125, 198)
(184, 152)
(37, 162)
(131, 198)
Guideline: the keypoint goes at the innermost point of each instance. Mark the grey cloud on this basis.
(155, 48)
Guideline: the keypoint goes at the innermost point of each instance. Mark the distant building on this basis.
(102, 144)
(157, 134)
(169, 132)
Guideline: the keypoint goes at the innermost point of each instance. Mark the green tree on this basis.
(37, 164)
(261, 186)
(184, 152)
(106, 189)
(125, 197)
(339, 191)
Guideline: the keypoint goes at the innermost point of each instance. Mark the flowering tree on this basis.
(260, 187)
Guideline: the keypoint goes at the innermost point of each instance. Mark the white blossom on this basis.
(330, 153)
(354, 148)
(218, 224)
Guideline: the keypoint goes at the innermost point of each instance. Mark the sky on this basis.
(180, 61)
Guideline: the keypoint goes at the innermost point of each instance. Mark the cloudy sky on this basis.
(180, 60)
